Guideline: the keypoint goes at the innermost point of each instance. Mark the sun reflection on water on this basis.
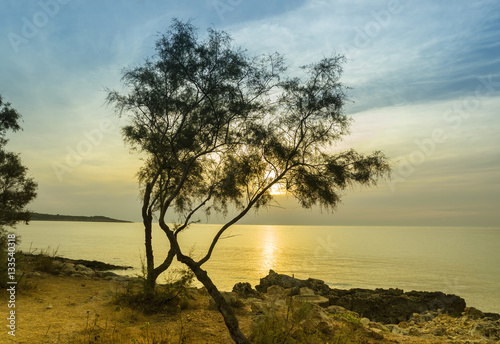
(269, 250)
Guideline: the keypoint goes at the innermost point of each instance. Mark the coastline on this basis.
(73, 218)
(72, 290)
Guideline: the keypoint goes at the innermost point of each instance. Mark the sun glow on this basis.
(277, 189)
(269, 250)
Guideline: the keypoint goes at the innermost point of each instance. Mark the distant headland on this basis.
(50, 217)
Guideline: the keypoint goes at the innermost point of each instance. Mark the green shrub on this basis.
(349, 318)
(293, 326)
(280, 327)
(44, 261)
(170, 297)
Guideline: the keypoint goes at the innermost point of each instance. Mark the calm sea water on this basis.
(462, 261)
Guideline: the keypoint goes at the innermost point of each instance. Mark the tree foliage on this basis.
(219, 129)
(16, 188)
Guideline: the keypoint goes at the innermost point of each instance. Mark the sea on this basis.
(455, 260)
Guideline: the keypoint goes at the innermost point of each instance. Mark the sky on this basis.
(424, 78)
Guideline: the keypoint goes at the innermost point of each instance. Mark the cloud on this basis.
(413, 67)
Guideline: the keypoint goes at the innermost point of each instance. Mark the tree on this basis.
(185, 105)
(16, 188)
(219, 130)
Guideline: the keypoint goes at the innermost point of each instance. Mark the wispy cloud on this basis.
(414, 68)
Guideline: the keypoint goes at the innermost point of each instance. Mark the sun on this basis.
(277, 189)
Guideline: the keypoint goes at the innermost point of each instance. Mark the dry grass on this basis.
(80, 310)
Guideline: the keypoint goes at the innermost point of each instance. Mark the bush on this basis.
(275, 327)
(296, 325)
(44, 261)
(3, 258)
(170, 297)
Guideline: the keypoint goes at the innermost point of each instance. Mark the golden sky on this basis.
(425, 89)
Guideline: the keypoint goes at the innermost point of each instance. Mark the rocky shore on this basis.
(427, 315)
(378, 316)
(73, 267)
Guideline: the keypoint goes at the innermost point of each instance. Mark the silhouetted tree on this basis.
(218, 129)
(185, 105)
(16, 188)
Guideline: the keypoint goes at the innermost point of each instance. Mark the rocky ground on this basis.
(63, 301)
(426, 315)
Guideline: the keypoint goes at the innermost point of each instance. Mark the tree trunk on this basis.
(152, 273)
(222, 305)
(147, 220)
(150, 282)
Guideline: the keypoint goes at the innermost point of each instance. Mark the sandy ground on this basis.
(52, 309)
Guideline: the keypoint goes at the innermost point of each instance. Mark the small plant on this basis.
(296, 326)
(145, 329)
(44, 260)
(171, 297)
(348, 317)
(279, 327)
(93, 332)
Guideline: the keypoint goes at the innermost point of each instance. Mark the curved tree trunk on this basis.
(229, 318)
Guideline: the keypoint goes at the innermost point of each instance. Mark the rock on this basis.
(306, 291)
(415, 332)
(317, 319)
(430, 315)
(106, 274)
(99, 266)
(230, 298)
(82, 269)
(317, 285)
(276, 292)
(423, 318)
(284, 281)
(280, 304)
(388, 306)
(398, 330)
(258, 307)
(378, 326)
(490, 330)
(68, 268)
(365, 321)
(57, 264)
(314, 299)
(393, 305)
(473, 313)
(440, 331)
(492, 316)
(340, 310)
(403, 324)
(49, 306)
(244, 290)
(292, 291)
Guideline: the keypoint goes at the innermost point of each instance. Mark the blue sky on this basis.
(425, 80)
